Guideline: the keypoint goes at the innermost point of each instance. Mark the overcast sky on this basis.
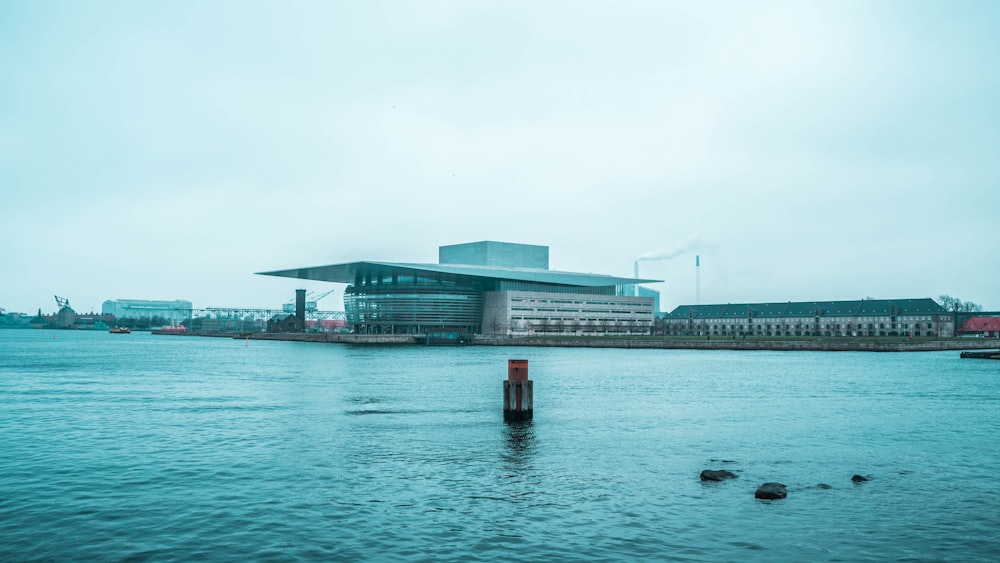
(805, 150)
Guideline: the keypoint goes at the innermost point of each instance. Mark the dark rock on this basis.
(859, 478)
(717, 475)
(823, 486)
(771, 491)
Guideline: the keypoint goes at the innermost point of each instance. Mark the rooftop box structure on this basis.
(499, 254)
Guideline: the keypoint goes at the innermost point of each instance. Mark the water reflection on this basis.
(519, 438)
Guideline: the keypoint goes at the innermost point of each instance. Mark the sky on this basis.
(804, 150)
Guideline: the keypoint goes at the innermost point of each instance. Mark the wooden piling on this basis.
(517, 392)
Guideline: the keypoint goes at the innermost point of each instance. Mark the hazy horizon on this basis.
(805, 151)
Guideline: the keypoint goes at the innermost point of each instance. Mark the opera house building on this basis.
(491, 288)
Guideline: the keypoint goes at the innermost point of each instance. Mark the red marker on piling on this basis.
(517, 392)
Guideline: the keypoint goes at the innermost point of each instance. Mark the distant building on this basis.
(284, 323)
(493, 288)
(15, 320)
(866, 317)
(171, 311)
(66, 317)
(986, 327)
(40, 321)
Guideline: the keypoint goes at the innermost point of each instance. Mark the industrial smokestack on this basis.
(681, 247)
(697, 279)
(635, 275)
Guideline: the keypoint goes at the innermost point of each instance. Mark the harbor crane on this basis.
(315, 299)
(62, 303)
(311, 302)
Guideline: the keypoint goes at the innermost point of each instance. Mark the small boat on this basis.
(120, 330)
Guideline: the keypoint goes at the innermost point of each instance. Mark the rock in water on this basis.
(771, 491)
(859, 478)
(717, 475)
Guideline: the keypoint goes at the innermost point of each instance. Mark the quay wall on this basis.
(824, 345)
(378, 339)
(820, 345)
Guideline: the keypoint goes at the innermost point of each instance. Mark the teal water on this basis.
(144, 447)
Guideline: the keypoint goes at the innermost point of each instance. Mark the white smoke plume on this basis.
(685, 245)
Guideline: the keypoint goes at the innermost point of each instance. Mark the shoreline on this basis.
(820, 344)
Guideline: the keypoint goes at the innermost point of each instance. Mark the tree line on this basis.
(956, 305)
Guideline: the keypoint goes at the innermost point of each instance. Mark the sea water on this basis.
(144, 447)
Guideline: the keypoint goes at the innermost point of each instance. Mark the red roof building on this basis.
(981, 326)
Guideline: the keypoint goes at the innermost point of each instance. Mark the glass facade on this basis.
(394, 302)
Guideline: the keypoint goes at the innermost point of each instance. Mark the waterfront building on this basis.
(487, 287)
(981, 326)
(171, 311)
(865, 317)
(14, 320)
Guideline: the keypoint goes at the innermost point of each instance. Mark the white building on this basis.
(172, 311)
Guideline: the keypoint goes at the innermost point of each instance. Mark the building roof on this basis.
(345, 273)
(981, 324)
(862, 307)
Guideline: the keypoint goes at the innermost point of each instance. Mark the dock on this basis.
(983, 355)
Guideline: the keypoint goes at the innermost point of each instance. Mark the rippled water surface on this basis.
(157, 447)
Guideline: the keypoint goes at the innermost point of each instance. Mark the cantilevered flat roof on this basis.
(345, 273)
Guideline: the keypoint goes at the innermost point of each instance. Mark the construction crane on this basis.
(311, 302)
(62, 303)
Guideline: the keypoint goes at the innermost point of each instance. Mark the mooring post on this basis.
(517, 391)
